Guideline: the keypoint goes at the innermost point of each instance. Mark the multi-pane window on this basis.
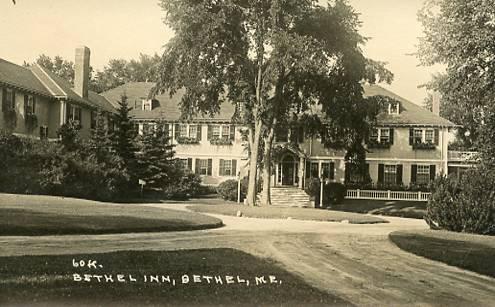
(328, 170)
(30, 105)
(384, 135)
(314, 170)
(225, 132)
(215, 131)
(227, 167)
(374, 135)
(393, 108)
(202, 167)
(193, 131)
(94, 117)
(8, 100)
(423, 174)
(43, 132)
(74, 114)
(418, 136)
(429, 136)
(183, 131)
(390, 174)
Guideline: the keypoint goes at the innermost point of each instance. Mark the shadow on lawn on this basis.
(407, 209)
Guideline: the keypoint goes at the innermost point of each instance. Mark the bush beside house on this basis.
(333, 192)
(464, 205)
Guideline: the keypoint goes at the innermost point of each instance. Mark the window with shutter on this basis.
(232, 133)
(423, 174)
(390, 174)
(210, 167)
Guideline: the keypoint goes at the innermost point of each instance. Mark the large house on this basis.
(409, 145)
(36, 102)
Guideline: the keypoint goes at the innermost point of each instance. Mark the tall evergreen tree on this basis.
(123, 139)
(100, 142)
(156, 161)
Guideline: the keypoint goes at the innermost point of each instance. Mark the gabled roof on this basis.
(168, 109)
(41, 81)
(21, 77)
(410, 113)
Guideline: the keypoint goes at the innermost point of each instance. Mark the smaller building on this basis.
(36, 102)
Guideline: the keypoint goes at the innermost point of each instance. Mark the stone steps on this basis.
(290, 197)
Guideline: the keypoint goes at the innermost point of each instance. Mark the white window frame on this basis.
(216, 131)
(203, 167)
(10, 102)
(426, 140)
(74, 112)
(30, 107)
(147, 105)
(193, 131)
(390, 170)
(225, 128)
(183, 130)
(375, 135)
(423, 171)
(227, 168)
(393, 108)
(379, 133)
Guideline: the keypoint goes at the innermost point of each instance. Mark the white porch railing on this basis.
(462, 156)
(387, 195)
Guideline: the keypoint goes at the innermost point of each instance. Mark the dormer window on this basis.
(394, 108)
(147, 105)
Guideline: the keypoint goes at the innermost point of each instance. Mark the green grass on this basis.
(45, 215)
(407, 209)
(466, 251)
(49, 281)
(284, 213)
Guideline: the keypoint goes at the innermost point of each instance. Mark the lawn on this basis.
(285, 213)
(46, 215)
(466, 251)
(50, 280)
(408, 209)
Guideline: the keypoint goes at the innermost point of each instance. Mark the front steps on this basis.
(290, 197)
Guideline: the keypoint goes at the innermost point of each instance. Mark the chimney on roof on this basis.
(81, 78)
(436, 103)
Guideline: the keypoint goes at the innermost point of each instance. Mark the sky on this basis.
(126, 28)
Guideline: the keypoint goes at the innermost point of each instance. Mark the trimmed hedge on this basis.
(228, 189)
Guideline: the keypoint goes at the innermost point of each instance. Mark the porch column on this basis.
(302, 166)
(275, 182)
(63, 108)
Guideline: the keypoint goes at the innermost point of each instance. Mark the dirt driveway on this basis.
(355, 262)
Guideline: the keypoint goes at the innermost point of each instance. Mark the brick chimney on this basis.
(81, 78)
(436, 103)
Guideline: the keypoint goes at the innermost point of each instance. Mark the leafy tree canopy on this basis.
(460, 34)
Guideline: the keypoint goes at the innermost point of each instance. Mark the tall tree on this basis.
(460, 34)
(156, 161)
(57, 65)
(123, 140)
(272, 58)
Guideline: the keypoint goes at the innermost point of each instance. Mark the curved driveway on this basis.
(355, 262)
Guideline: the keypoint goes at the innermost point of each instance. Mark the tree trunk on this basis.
(253, 163)
(266, 198)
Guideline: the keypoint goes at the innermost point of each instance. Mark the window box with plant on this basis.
(424, 146)
(185, 140)
(220, 141)
(373, 144)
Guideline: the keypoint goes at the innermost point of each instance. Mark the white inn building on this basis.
(408, 147)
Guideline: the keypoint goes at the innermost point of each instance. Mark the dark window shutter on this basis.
(166, 130)
(411, 136)
(234, 168)
(26, 99)
(391, 136)
(210, 133)
(221, 169)
(13, 100)
(210, 166)
(34, 104)
(300, 134)
(381, 173)
(199, 135)
(232, 132)
(177, 131)
(367, 177)
(4, 99)
(348, 172)
(399, 174)
(67, 112)
(414, 173)
(433, 172)
(198, 162)
(437, 137)
(308, 169)
(189, 164)
(79, 111)
(332, 170)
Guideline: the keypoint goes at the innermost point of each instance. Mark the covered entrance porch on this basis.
(289, 164)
